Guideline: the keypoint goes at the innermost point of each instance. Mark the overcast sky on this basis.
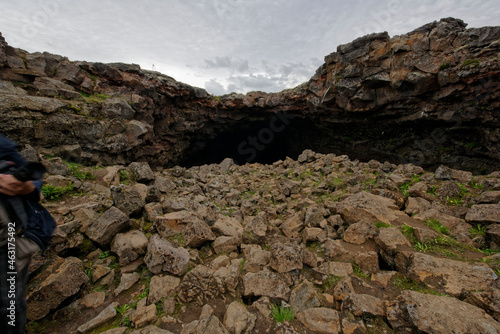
(221, 45)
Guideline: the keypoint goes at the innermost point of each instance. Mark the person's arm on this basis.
(9, 185)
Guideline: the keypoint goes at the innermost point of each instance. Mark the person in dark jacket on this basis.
(18, 242)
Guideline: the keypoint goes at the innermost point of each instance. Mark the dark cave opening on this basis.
(424, 143)
(267, 141)
(248, 142)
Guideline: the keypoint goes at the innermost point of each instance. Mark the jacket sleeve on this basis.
(8, 152)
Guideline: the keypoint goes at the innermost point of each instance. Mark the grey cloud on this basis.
(234, 65)
(269, 77)
(214, 87)
(222, 42)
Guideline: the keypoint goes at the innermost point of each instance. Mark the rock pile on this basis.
(346, 246)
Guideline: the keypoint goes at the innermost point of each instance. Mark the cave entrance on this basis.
(263, 141)
(267, 141)
(271, 138)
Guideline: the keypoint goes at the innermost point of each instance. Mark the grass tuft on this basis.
(280, 314)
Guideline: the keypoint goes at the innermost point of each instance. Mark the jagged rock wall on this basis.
(429, 97)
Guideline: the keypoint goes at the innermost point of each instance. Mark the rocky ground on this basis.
(323, 244)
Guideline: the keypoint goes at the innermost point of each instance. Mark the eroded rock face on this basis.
(401, 99)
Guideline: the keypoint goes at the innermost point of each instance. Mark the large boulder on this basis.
(320, 320)
(107, 226)
(129, 246)
(162, 287)
(141, 171)
(197, 233)
(197, 286)
(130, 199)
(163, 256)
(359, 233)
(364, 206)
(238, 320)
(255, 229)
(304, 297)
(390, 240)
(286, 257)
(265, 283)
(292, 226)
(484, 214)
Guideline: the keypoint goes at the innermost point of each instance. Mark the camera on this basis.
(30, 172)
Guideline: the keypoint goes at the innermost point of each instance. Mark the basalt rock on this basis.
(430, 97)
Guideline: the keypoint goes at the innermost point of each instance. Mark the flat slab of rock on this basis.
(143, 316)
(362, 304)
(228, 226)
(174, 223)
(265, 283)
(454, 277)
(442, 315)
(446, 173)
(93, 300)
(490, 197)
(364, 206)
(106, 315)
(62, 279)
(336, 268)
(484, 213)
(321, 320)
(126, 282)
